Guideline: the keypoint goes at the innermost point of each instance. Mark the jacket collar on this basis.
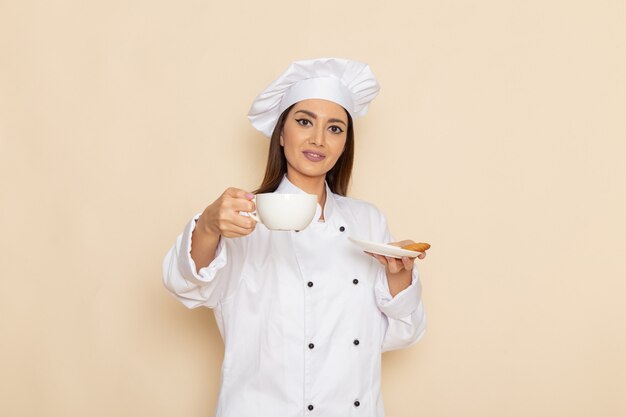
(287, 187)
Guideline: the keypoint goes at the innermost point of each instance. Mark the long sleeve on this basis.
(404, 312)
(207, 287)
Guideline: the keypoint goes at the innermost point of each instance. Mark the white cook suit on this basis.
(304, 315)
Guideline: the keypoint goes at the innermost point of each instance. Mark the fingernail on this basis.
(248, 195)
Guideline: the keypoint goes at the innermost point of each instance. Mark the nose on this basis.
(318, 136)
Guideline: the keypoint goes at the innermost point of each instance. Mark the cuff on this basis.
(188, 267)
(404, 303)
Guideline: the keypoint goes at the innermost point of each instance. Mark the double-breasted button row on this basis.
(356, 342)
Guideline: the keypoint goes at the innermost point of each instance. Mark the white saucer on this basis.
(383, 249)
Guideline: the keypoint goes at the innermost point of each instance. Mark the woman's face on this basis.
(313, 138)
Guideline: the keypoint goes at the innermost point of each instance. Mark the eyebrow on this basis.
(314, 116)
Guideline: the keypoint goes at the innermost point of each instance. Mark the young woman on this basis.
(304, 315)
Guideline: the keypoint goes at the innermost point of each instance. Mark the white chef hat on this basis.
(350, 84)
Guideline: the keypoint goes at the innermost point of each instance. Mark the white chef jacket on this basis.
(304, 315)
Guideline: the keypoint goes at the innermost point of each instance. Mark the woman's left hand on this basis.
(399, 271)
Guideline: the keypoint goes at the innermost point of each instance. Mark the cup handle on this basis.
(254, 217)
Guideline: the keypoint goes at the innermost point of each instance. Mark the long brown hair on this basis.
(338, 178)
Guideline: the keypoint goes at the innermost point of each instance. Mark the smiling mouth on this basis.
(313, 156)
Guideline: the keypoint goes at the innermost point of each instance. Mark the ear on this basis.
(282, 141)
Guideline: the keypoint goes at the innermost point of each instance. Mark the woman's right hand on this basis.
(222, 218)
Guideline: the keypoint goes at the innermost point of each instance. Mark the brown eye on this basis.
(303, 122)
(336, 129)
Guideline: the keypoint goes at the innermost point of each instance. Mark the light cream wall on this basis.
(498, 136)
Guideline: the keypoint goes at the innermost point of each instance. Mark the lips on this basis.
(314, 156)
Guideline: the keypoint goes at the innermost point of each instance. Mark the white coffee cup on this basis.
(285, 211)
